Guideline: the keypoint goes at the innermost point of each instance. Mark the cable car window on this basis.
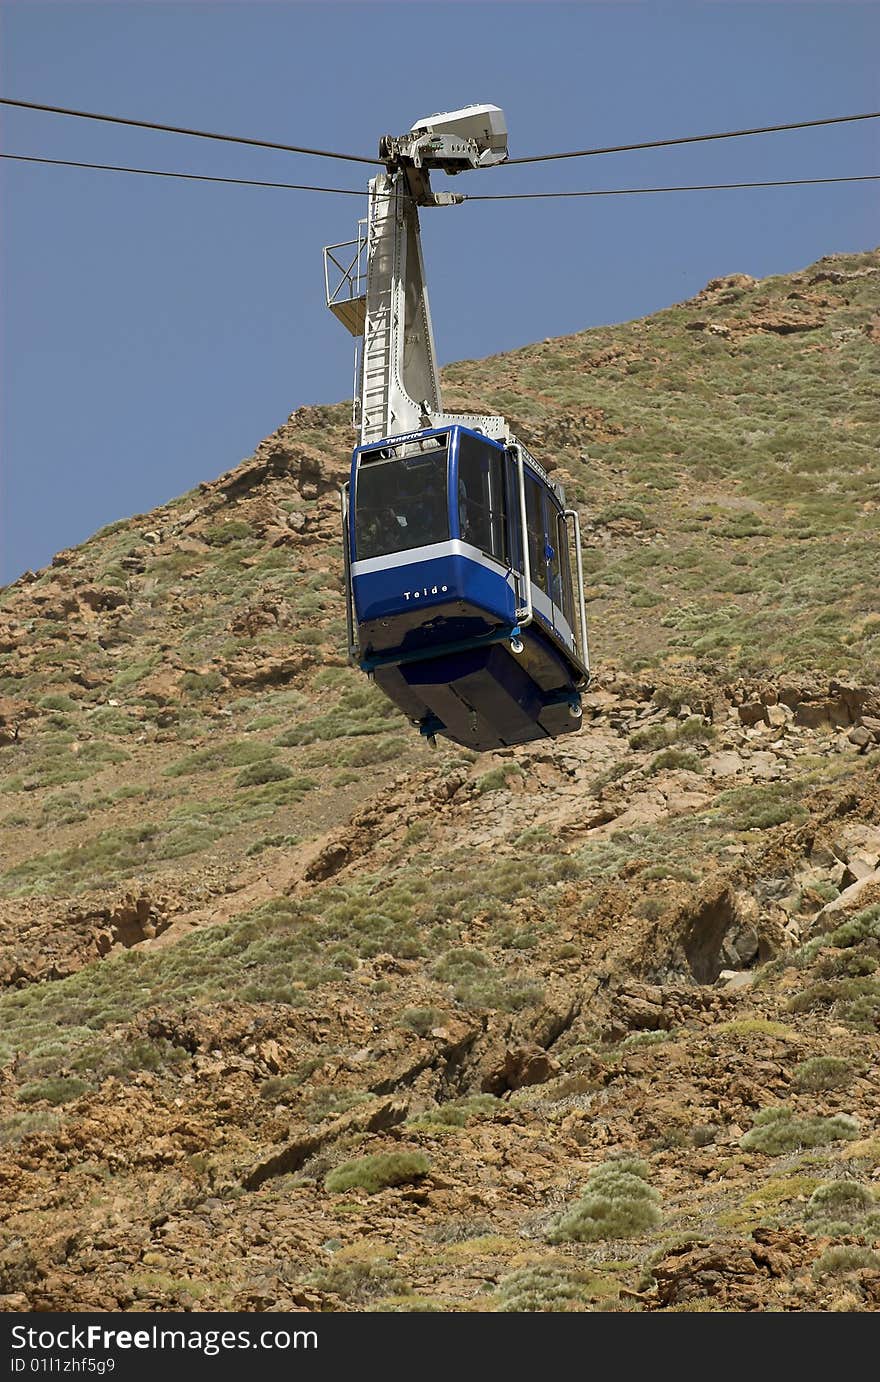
(535, 527)
(400, 503)
(481, 496)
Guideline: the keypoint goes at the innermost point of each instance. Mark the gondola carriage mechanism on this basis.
(461, 600)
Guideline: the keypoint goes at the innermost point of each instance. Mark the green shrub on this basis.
(864, 926)
(109, 720)
(411, 1305)
(15, 1127)
(361, 711)
(56, 702)
(372, 750)
(88, 863)
(544, 1289)
(672, 759)
(672, 698)
(477, 984)
(290, 789)
(840, 1199)
(838, 1261)
(854, 963)
(59, 1089)
(853, 1001)
(271, 842)
(421, 1020)
(678, 872)
(497, 778)
(235, 530)
(267, 771)
(459, 1230)
(694, 730)
(776, 1131)
(458, 1112)
(58, 761)
(651, 737)
(463, 962)
(759, 807)
(622, 510)
(638, 1039)
(618, 1202)
(358, 1281)
(202, 683)
(262, 722)
(281, 1088)
(372, 1173)
(235, 753)
(822, 1072)
(131, 675)
(330, 1103)
(310, 637)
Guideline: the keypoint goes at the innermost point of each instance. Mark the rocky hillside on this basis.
(298, 1015)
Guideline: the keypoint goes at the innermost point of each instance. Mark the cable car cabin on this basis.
(461, 602)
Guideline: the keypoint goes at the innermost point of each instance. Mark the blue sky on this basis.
(154, 331)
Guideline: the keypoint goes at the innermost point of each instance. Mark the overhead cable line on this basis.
(692, 139)
(693, 187)
(494, 197)
(187, 177)
(179, 129)
(358, 158)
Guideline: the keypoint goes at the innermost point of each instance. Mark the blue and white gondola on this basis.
(460, 598)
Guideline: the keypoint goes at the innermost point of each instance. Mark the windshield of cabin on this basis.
(400, 503)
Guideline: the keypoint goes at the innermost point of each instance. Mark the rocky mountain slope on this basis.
(297, 1015)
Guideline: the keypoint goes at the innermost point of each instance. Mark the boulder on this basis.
(753, 713)
(859, 894)
(860, 736)
(522, 1065)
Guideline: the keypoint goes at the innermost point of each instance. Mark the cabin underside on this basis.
(488, 697)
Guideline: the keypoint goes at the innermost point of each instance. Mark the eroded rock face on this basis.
(863, 893)
(131, 921)
(42, 945)
(731, 1275)
(522, 1066)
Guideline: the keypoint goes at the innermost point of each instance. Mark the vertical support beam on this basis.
(582, 608)
(346, 563)
(417, 356)
(399, 368)
(526, 614)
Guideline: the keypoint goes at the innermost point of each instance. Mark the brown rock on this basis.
(247, 623)
(856, 896)
(328, 862)
(632, 1011)
(753, 713)
(161, 686)
(703, 1269)
(269, 671)
(101, 598)
(522, 1065)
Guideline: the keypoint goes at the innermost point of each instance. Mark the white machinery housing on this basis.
(386, 300)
